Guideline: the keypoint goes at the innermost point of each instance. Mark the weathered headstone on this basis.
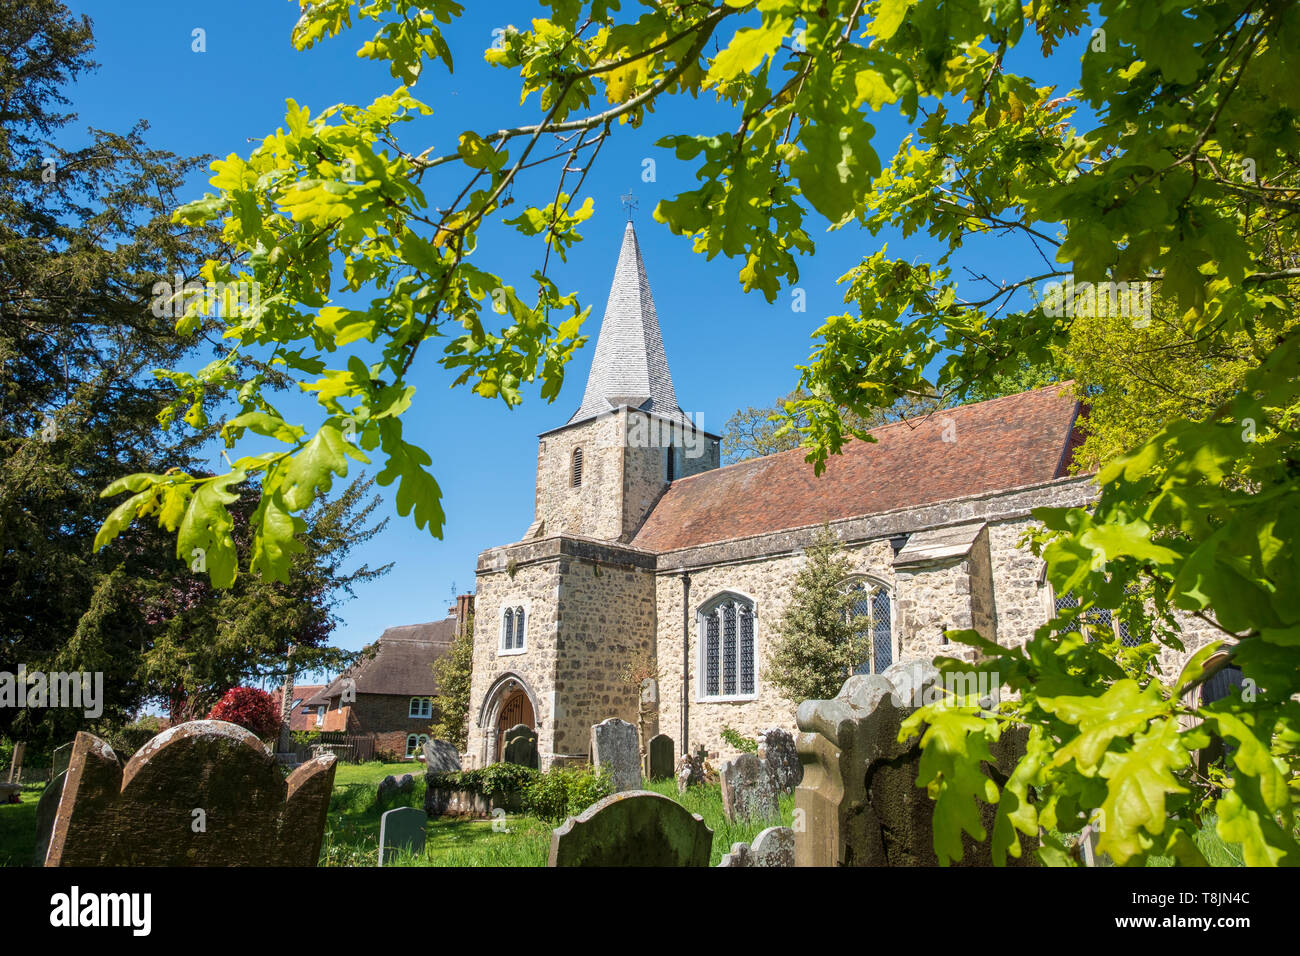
(203, 793)
(401, 830)
(659, 757)
(614, 747)
(858, 801)
(635, 828)
(392, 786)
(773, 847)
(747, 790)
(16, 764)
(777, 751)
(47, 809)
(694, 770)
(520, 746)
(440, 757)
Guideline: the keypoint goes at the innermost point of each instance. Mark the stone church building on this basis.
(645, 558)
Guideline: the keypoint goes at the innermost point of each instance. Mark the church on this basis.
(651, 581)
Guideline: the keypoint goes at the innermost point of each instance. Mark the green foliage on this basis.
(566, 791)
(818, 643)
(738, 741)
(453, 672)
(496, 779)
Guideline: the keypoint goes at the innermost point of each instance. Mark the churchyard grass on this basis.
(18, 828)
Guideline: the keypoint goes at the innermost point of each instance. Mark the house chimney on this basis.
(463, 610)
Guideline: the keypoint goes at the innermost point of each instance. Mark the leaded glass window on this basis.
(873, 612)
(727, 648)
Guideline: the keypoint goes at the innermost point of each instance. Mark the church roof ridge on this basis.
(630, 366)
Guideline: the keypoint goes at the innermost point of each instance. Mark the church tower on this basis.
(600, 474)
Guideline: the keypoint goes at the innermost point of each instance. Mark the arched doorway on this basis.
(508, 701)
(516, 708)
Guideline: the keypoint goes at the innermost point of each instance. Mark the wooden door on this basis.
(516, 710)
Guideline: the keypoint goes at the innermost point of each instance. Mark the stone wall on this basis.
(595, 508)
(767, 583)
(605, 636)
(590, 612)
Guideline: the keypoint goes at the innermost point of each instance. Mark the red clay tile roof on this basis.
(300, 718)
(999, 444)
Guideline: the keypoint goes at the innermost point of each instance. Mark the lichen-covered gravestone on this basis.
(659, 757)
(747, 790)
(614, 747)
(773, 847)
(636, 828)
(203, 793)
(777, 751)
(859, 801)
(520, 746)
(401, 830)
(440, 757)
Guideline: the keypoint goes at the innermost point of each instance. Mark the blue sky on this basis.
(726, 349)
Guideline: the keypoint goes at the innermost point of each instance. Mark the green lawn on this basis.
(352, 831)
(18, 828)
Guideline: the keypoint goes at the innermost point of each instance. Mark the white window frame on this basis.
(872, 585)
(512, 606)
(420, 707)
(702, 613)
(320, 713)
(413, 753)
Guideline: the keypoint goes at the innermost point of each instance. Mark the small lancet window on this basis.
(577, 468)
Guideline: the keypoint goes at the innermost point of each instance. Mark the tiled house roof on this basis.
(629, 367)
(990, 446)
(400, 664)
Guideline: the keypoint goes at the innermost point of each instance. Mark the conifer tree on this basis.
(820, 641)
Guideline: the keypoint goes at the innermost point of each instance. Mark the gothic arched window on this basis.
(728, 657)
(873, 611)
(577, 468)
(513, 629)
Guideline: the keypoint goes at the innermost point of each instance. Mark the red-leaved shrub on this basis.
(254, 710)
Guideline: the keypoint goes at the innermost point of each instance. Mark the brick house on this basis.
(387, 696)
(647, 557)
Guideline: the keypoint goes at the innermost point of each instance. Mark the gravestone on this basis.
(773, 847)
(202, 793)
(747, 790)
(47, 808)
(659, 757)
(440, 757)
(520, 746)
(16, 764)
(59, 759)
(391, 786)
(614, 747)
(401, 830)
(693, 770)
(634, 828)
(777, 751)
(858, 799)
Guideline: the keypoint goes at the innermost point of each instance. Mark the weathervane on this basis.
(629, 203)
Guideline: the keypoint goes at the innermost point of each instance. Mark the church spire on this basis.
(629, 367)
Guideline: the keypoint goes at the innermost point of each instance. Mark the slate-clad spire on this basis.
(629, 367)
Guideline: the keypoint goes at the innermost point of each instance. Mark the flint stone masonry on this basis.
(659, 757)
(521, 746)
(747, 790)
(614, 746)
(858, 799)
(440, 757)
(143, 814)
(401, 830)
(635, 828)
(777, 750)
(773, 847)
